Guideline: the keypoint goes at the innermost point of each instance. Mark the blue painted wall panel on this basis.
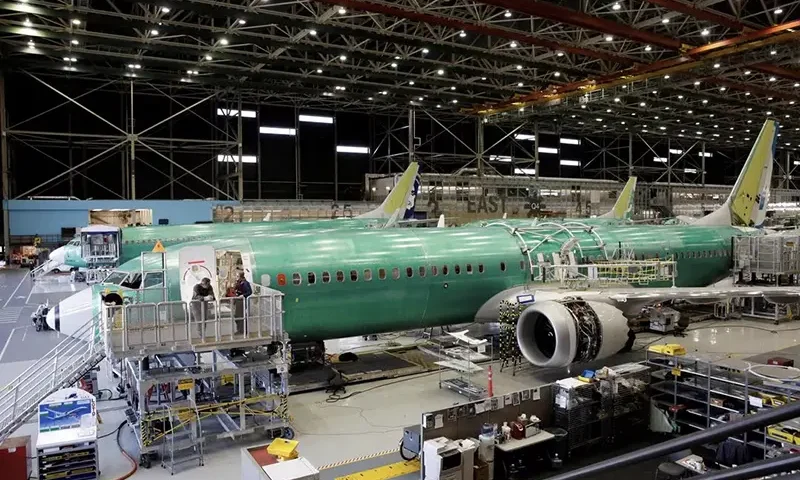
(48, 217)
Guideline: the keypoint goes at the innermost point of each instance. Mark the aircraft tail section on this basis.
(747, 204)
(402, 197)
(623, 208)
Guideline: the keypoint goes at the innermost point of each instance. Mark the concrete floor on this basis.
(367, 422)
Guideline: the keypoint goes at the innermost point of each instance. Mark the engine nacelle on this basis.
(556, 333)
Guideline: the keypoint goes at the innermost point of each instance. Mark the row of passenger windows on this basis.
(422, 271)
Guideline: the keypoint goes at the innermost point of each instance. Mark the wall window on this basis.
(382, 273)
(409, 272)
(502, 266)
(312, 278)
(422, 271)
(368, 275)
(469, 269)
(353, 275)
(395, 273)
(457, 269)
(296, 279)
(434, 270)
(340, 276)
(445, 270)
(326, 277)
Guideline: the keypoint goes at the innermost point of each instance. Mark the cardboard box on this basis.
(14, 458)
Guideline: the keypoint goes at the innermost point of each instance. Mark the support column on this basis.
(479, 147)
(4, 160)
(258, 149)
(240, 177)
(536, 148)
(335, 158)
(703, 164)
(132, 138)
(412, 119)
(669, 177)
(630, 154)
(69, 153)
(171, 154)
(788, 176)
(297, 193)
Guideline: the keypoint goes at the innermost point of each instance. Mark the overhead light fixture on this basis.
(165, 9)
(394, 65)
(339, 87)
(513, 44)
(705, 154)
(557, 74)
(66, 59)
(675, 151)
(425, 50)
(569, 141)
(370, 99)
(74, 41)
(609, 38)
(223, 41)
(73, 59)
(235, 158)
(154, 32)
(772, 79)
(665, 20)
(648, 48)
(343, 57)
(746, 94)
(548, 150)
(717, 65)
(439, 106)
(770, 113)
(27, 23)
(524, 171)
(352, 149)
(277, 131)
(312, 32)
(455, 101)
(420, 99)
(616, 6)
(642, 104)
(696, 83)
(226, 112)
(452, 88)
(76, 21)
(241, 21)
(778, 11)
(411, 82)
(315, 119)
(440, 72)
(570, 163)
(660, 159)
(525, 136)
(773, 52)
(559, 54)
(519, 67)
(680, 97)
(705, 32)
(209, 58)
(666, 77)
(797, 84)
(520, 84)
(616, 99)
(689, 170)
(31, 44)
(384, 92)
(342, 10)
(462, 34)
(721, 89)
(705, 101)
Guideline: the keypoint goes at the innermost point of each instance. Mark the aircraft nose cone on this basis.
(58, 255)
(53, 318)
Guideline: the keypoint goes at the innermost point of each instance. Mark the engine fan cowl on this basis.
(556, 333)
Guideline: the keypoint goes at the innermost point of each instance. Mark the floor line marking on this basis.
(15, 290)
(8, 341)
(29, 294)
(24, 334)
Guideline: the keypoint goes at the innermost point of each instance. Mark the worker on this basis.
(242, 289)
(202, 293)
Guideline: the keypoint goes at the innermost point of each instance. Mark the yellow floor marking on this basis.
(385, 472)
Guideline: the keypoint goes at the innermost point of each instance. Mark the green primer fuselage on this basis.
(479, 263)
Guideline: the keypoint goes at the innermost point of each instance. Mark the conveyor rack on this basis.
(74, 462)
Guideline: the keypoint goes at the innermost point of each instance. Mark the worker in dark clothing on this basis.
(242, 289)
(202, 293)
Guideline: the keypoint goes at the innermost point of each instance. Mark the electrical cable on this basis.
(333, 398)
(134, 465)
(402, 455)
(113, 432)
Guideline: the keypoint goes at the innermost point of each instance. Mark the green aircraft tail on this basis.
(623, 208)
(398, 198)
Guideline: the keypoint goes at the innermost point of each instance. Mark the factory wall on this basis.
(48, 217)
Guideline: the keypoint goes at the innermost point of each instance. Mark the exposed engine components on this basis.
(556, 333)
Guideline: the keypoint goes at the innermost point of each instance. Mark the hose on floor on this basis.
(134, 465)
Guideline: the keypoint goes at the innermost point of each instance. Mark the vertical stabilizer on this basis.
(623, 208)
(747, 204)
(400, 196)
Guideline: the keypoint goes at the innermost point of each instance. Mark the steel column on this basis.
(239, 140)
(535, 149)
(132, 139)
(4, 159)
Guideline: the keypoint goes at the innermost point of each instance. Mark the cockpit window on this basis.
(75, 242)
(116, 277)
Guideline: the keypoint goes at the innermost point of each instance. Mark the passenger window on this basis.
(326, 277)
(502, 266)
(153, 279)
(469, 269)
(353, 275)
(296, 280)
(445, 270)
(368, 275)
(312, 278)
(422, 271)
(339, 276)
(480, 268)
(457, 269)
(409, 272)
(395, 273)
(434, 270)
(281, 280)
(382, 273)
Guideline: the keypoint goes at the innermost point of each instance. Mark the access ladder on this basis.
(60, 368)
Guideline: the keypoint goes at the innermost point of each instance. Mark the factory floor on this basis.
(371, 417)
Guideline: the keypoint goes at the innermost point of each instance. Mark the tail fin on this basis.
(747, 204)
(401, 196)
(623, 208)
(440, 223)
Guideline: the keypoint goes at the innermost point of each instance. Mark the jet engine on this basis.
(556, 333)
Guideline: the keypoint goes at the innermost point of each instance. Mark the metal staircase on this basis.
(62, 367)
(184, 442)
(44, 268)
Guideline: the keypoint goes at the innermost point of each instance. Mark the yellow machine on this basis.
(785, 434)
(283, 449)
(668, 349)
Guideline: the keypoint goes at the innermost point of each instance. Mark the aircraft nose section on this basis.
(71, 313)
(59, 255)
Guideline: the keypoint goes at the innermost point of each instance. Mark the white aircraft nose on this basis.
(71, 313)
(59, 255)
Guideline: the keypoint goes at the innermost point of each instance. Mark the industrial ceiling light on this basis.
(312, 32)
(74, 41)
(462, 34)
(397, 57)
(452, 88)
(513, 44)
(772, 79)
(519, 67)
(609, 38)
(425, 50)
(746, 94)
(31, 44)
(616, 99)
(696, 83)
(438, 106)
(242, 21)
(721, 89)
(778, 11)
(642, 104)
(773, 52)
(705, 101)
(455, 101)
(507, 14)
(616, 6)
(680, 97)
(76, 21)
(520, 84)
(716, 65)
(209, 58)
(665, 20)
(27, 23)
(319, 70)
(66, 59)
(165, 9)
(648, 48)
(747, 72)
(420, 99)
(73, 59)
(370, 99)
(559, 54)
(690, 112)
(557, 74)
(483, 78)
(342, 10)
(797, 84)
(223, 41)
(154, 32)
(705, 32)
(440, 72)
(411, 82)
(394, 64)
(666, 77)
(343, 57)
(384, 92)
